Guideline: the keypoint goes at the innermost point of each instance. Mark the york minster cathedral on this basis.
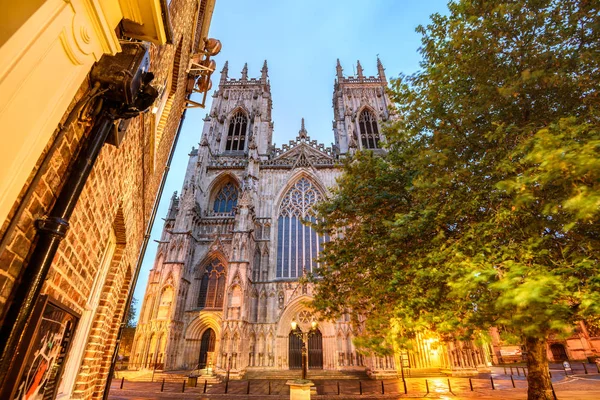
(224, 289)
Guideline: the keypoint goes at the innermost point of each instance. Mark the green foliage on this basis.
(130, 321)
(485, 210)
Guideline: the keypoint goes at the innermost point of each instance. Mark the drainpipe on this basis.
(141, 255)
(51, 231)
(72, 117)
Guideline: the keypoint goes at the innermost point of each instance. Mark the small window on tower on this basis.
(369, 133)
(236, 136)
(226, 199)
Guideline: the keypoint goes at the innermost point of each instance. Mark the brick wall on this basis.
(118, 197)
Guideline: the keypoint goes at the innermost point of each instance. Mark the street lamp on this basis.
(304, 337)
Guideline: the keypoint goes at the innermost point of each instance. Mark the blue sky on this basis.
(301, 41)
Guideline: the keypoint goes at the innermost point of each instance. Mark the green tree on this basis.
(485, 210)
(130, 319)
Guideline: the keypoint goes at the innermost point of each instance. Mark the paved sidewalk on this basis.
(578, 387)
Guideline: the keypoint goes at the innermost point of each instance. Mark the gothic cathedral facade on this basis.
(225, 286)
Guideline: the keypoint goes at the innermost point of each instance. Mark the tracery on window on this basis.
(226, 199)
(236, 136)
(369, 133)
(298, 244)
(212, 286)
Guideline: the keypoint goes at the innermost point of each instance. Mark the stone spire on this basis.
(339, 70)
(224, 71)
(302, 133)
(380, 69)
(245, 72)
(173, 206)
(359, 70)
(265, 72)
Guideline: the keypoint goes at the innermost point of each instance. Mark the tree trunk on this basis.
(538, 378)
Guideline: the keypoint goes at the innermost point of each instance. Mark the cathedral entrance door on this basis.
(207, 345)
(315, 350)
(295, 350)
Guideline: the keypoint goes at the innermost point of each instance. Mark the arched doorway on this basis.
(207, 345)
(315, 349)
(558, 352)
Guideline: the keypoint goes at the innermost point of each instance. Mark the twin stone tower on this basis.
(225, 287)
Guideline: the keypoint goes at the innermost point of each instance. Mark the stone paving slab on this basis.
(579, 387)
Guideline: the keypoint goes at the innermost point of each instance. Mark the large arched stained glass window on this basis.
(226, 199)
(236, 136)
(369, 133)
(212, 286)
(297, 244)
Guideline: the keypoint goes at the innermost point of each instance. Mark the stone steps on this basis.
(423, 372)
(175, 376)
(312, 374)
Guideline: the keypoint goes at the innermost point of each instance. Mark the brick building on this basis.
(66, 347)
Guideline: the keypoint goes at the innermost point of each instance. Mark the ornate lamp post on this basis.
(304, 337)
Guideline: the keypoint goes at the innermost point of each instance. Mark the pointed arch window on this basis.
(369, 133)
(298, 244)
(226, 199)
(236, 136)
(256, 266)
(212, 286)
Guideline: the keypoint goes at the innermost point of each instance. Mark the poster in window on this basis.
(42, 351)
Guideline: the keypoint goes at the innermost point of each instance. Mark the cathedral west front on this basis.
(225, 286)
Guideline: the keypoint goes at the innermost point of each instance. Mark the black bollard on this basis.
(550, 373)
(226, 386)
(471, 384)
(338, 385)
(382, 388)
(511, 371)
(162, 385)
(512, 380)
(518, 374)
(405, 389)
(269, 387)
(205, 383)
(183, 387)
(553, 393)
(122, 382)
(504, 370)
(427, 386)
(492, 380)
(359, 387)
(248, 388)
(584, 368)
(449, 387)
